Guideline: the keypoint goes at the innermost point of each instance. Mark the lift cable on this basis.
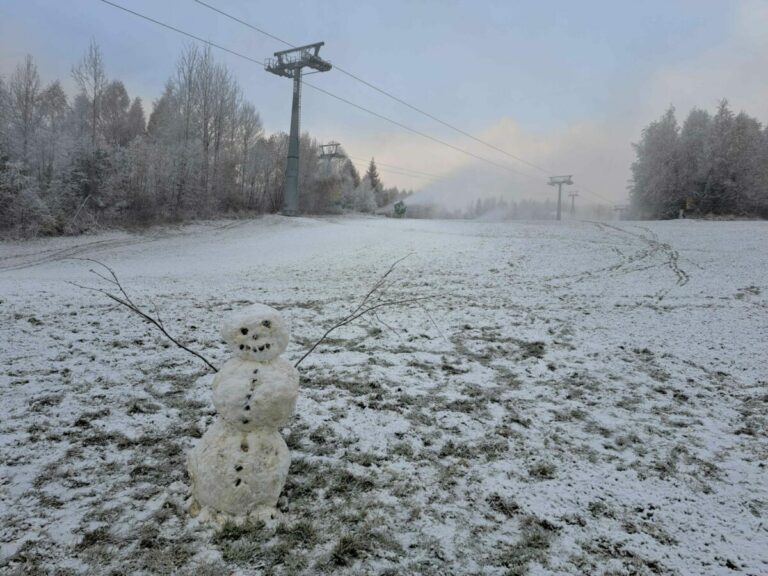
(419, 133)
(382, 91)
(401, 168)
(254, 61)
(244, 23)
(169, 27)
(590, 191)
(317, 88)
(361, 166)
(395, 98)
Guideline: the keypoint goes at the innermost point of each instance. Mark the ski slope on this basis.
(574, 398)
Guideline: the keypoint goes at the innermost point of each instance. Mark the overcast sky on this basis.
(566, 85)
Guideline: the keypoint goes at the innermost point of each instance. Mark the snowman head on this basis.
(257, 333)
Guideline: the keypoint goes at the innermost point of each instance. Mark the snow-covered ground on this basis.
(578, 398)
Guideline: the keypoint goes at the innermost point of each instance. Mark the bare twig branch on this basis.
(379, 283)
(126, 301)
(365, 307)
(432, 320)
(387, 326)
(371, 303)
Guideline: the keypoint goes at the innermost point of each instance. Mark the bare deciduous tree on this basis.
(92, 80)
(24, 90)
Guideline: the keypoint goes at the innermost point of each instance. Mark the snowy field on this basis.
(579, 398)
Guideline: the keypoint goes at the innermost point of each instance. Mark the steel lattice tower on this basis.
(289, 63)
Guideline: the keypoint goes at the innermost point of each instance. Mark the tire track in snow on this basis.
(623, 265)
(652, 240)
(49, 256)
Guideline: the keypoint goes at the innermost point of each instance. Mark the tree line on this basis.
(501, 209)
(70, 165)
(712, 165)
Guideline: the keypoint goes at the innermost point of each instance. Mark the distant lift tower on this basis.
(573, 201)
(559, 181)
(330, 151)
(289, 63)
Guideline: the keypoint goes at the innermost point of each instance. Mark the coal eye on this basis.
(243, 331)
(266, 324)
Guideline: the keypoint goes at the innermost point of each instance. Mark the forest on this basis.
(99, 159)
(69, 165)
(713, 165)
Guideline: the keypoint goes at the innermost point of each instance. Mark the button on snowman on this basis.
(239, 466)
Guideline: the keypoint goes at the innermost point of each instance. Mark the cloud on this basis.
(596, 150)
(587, 150)
(733, 70)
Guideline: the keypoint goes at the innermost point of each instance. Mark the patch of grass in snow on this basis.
(533, 546)
(359, 544)
(533, 349)
(622, 559)
(240, 544)
(28, 560)
(456, 449)
(505, 506)
(364, 459)
(569, 415)
(542, 471)
(98, 536)
(402, 450)
(295, 436)
(324, 439)
(158, 554)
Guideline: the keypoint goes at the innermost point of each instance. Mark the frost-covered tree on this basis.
(748, 164)
(365, 196)
(693, 155)
(114, 114)
(186, 87)
(655, 190)
(23, 93)
(349, 168)
(90, 76)
(761, 199)
(372, 174)
(52, 141)
(136, 122)
(716, 165)
(720, 195)
(249, 129)
(67, 164)
(3, 118)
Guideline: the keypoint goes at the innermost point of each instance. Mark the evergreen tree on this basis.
(136, 121)
(349, 169)
(114, 114)
(717, 165)
(372, 175)
(720, 194)
(365, 196)
(655, 190)
(693, 155)
(748, 166)
(761, 201)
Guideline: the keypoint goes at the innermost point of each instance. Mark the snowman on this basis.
(239, 466)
